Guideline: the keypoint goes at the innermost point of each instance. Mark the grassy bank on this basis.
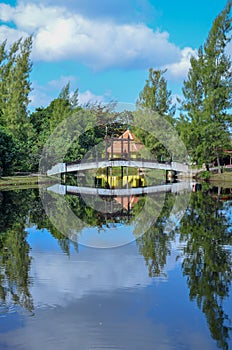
(222, 180)
(22, 181)
(225, 176)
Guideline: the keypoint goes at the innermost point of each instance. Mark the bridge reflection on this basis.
(115, 203)
(174, 188)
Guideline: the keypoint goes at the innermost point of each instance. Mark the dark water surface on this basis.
(165, 290)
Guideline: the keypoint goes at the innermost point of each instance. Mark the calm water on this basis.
(167, 289)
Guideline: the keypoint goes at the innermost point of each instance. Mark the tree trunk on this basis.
(218, 164)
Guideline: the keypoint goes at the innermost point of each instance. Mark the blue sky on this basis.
(105, 47)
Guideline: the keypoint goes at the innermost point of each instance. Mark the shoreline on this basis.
(223, 178)
(26, 181)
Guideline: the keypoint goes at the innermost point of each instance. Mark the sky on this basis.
(106, 47)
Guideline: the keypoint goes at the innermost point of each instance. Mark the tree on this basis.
(15, 87)
(45, 120)
(62, 107)
(208, 95)
(155, 95)
(8, 152)
(155, 99)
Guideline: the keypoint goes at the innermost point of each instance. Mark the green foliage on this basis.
(8, 152)
(15, 87)
(204, 124)
(155, 96)
(159, 137)
(207, 91)
(154, 99)
(205, 175)
(45, 120)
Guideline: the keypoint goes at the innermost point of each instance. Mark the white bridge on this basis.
(135, 163)
(174, 188)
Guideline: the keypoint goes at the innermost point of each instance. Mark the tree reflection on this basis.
(38, 217)
(206, 233)
(155, 244)
(20, 209)
(14, 250)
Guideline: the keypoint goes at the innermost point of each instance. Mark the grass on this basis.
(16, 182)
(224, 179)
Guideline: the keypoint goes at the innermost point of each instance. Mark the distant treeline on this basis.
(203, 122)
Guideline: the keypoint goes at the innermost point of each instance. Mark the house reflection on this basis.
(120, 206)
(120, 181)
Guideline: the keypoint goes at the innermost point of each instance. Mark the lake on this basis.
(149, 270)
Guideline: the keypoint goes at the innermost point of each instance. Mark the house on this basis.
(125, 146)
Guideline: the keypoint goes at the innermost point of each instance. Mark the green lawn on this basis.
(225, 178)
(19, 181)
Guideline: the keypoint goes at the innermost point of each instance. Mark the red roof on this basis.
(125, 143)
(127, 135)
(127, 202)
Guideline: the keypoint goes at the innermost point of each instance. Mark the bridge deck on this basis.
(135, 163)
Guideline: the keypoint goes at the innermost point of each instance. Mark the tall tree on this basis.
(15, 88)
(45, 120)
(208, 95)
(155, 98)
(155, 95)
(8, 152)
(63, 106)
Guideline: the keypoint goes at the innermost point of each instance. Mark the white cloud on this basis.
(118, 10)
(179, 70)
(60, 34)
(62, 81)
(88, 96)
(31, 16)
(11, 34)
(39, 99)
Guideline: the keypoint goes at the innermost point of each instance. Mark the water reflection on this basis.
(73, 208)
(14, 250)
(42, 271)
(207, 234)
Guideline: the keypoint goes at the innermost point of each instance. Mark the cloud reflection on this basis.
(102, 299)
(58, 279)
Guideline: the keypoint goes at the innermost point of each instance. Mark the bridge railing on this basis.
(137, 162)
(102, 159)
